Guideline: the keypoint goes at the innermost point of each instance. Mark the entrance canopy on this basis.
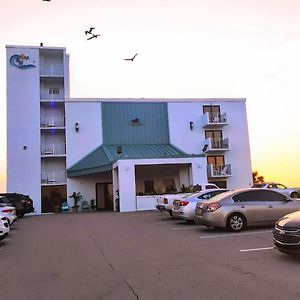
(102, 158)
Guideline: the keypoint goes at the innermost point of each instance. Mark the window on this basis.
(213, 111)
(149, 186)
(258, 196)
(54, 91)
(216, 160)
(209, 195)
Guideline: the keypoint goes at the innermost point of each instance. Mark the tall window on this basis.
(216, 160)
(213, 111)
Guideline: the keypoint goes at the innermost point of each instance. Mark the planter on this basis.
(75, 209)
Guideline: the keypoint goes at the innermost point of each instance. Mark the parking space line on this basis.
(186, 227)
(257, 249)
(234, 234)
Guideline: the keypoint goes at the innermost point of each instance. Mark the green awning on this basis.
(102, 158)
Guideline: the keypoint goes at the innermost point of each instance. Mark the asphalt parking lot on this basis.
(141, 255)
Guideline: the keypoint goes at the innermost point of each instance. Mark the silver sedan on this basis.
(184, 207)
(238, 209)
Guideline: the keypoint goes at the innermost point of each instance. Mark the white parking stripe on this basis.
(233, 234)
(185, 227)
(257, 249)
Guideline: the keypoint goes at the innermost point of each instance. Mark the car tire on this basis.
(295, 195)
(236, 222)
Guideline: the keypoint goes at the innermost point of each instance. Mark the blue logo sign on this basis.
(19, 61)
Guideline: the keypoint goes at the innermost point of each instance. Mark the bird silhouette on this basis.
(93, 36)
(132, 58)
(47, 0)
(88, 31)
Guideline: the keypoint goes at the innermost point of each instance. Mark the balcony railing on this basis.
(52, 122)
(214, 171)
(215, 145)
(52, 70)
(45, 95)
(53, 149)
(214, 119)
(58, 177)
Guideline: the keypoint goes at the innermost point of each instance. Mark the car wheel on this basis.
(170, 213)
(295, 195)
(236, 222)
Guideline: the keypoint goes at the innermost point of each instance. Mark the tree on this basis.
(257, 179)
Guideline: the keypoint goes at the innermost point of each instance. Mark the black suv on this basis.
(22, 203)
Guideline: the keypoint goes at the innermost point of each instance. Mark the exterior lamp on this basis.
(77, 126)
(191, 125)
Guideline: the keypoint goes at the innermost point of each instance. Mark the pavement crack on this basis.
(132, 289)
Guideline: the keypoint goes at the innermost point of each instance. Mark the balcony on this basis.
(52, 70)
(55, 95)
(53, 178)
(213, 145)
(214, 120)
(219, 171)
(53, 150)
(52, 122)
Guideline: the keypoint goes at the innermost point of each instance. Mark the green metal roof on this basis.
(102, 158)
(126, 123)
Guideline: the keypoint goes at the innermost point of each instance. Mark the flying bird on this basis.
(47, 0)
(93, 36)
(87, 31)
(132, 58)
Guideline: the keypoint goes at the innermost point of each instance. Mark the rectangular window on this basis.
(54, 91)
(213, 111)
(149, 186)
(216, 160)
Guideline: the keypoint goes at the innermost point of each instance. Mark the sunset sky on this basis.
(191, 48)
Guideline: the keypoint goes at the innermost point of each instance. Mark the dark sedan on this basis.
(286, 234)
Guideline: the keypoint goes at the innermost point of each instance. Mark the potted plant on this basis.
(76, 198)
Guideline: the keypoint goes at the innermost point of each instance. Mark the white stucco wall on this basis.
(180, 115)
(86, 186)
(89, 136)
(23, 126)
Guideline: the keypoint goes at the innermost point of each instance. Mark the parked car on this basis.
(8, 212)
(286, 234)
(22, 203)
(291, 192)
(235, 210)
(184, 207)
(4, 228)
(165, 202)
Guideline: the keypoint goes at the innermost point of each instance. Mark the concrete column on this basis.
(115, 188)
(198, 172)
(127, 188)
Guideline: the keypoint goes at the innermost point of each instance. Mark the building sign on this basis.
(18, 60)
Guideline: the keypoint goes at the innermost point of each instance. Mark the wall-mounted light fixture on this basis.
(24, 147)
(77, 126)
(119, 150)
(191, 125)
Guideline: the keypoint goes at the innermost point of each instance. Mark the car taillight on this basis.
(7, 211)
(212, 207)
(165, 200)
(184, 203)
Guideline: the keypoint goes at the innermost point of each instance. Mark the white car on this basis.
(278, 187)
(165, 202)
(184, 207)
(4, 228)
(9, 212)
